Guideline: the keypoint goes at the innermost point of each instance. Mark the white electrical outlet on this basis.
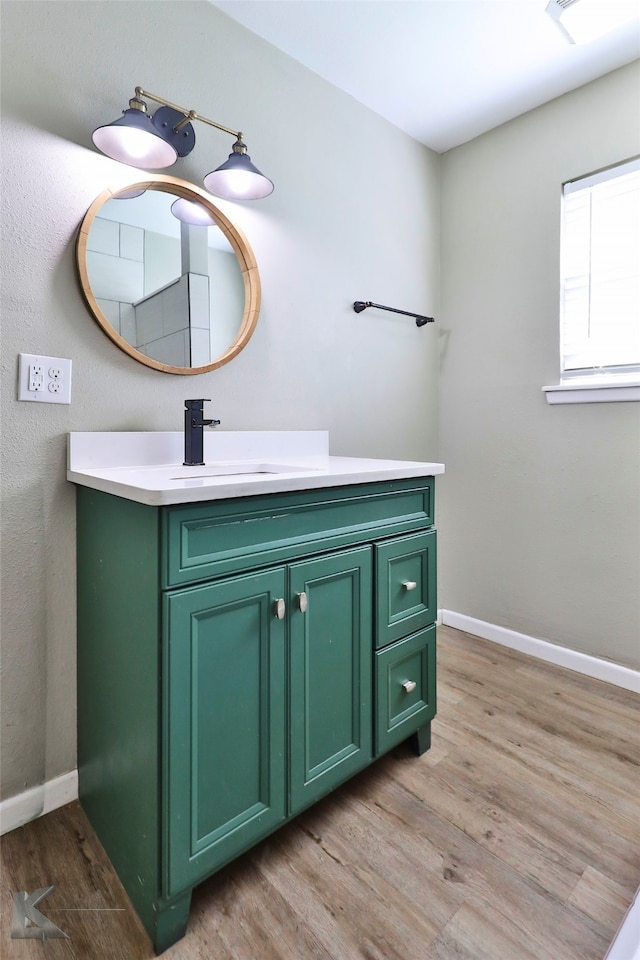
(36, 377)
(44, 379)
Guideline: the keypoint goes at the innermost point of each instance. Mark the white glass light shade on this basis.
(238, 179)
(133, 139)
(189, 212)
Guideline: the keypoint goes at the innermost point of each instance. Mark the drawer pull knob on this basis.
(409, 584)
(302, 602)
(279, 609)
(409, 686)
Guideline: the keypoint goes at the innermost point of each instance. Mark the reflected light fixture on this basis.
(156, 141)
(128, 194)
(582, 21)
(194, 213)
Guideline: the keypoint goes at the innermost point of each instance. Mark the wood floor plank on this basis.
(491, 884)
(473, 934)
(453, 792)
(607, 781)
(369, 913)
(520, 688)
(559, 738)
(601, 898)
(88, 902)
(408, 867)
(564, 815)
(514, 838)
(458, 646)
(241, 916)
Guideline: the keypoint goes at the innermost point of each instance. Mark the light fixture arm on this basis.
(189, 115)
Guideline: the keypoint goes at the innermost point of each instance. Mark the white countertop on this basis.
(148, 467)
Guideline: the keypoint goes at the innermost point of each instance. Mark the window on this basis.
(600, 283)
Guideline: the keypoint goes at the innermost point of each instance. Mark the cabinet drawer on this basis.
(406, 586)
(228, 536)
(405, 688)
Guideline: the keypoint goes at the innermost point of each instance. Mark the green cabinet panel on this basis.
(330, 672)
(406, 585)
(229, 536)
(405, 688)
(118, 640)
(224, 700)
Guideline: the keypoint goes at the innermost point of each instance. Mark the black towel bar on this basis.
(361, 305)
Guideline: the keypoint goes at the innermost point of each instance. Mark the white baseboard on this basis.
(33, 803)
(562, 656)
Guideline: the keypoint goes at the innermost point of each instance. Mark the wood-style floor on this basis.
(514, 838)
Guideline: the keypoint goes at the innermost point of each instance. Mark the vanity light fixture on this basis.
(156, 141)
(582, 21)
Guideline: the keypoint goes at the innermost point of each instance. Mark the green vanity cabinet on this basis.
(237, 660)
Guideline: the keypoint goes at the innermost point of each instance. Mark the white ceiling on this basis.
(444, 71)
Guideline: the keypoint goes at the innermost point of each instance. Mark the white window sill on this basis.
(593, 392)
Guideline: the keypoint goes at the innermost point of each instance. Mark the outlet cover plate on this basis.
(55, 386)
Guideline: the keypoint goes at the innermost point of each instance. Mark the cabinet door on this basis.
(330, 672)
(224, 702)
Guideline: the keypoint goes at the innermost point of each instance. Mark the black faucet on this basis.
(193, 439)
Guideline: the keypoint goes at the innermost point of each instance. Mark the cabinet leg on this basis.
(421, 739)
(171, 923)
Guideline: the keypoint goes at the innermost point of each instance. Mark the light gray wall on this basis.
(354, 216)
(539, 510)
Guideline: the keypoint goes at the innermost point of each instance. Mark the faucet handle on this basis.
(195, 410)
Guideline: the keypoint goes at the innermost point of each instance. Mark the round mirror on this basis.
(167, 275)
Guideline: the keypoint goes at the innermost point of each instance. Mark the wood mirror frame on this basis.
(238, 242)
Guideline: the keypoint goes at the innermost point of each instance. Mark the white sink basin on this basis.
(241, 469)
(165, 476)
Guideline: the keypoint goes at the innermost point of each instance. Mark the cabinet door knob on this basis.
(409, 686)
(302, 602)
(409, 584)
(279, 609)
